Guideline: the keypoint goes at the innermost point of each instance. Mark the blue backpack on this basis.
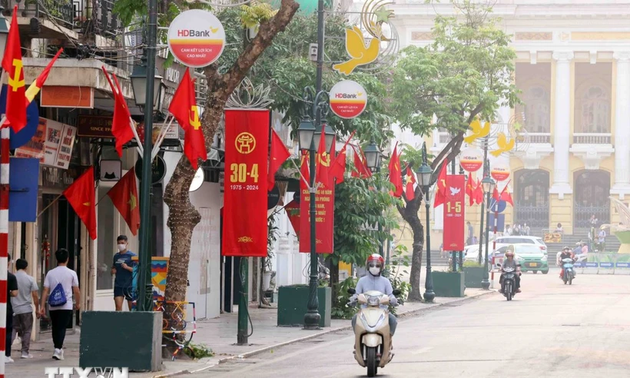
(57, 297)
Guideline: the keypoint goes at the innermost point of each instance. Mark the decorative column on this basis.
(561, 132)
(621, 186)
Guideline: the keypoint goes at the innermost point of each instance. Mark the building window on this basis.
(595, 111)
(106, 239)
(536, 110)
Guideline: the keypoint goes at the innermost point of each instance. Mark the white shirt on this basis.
(68, 279)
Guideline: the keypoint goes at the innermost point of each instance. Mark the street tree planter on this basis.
(121, 339)
(473, 276)
(292, 305)
(449, 284)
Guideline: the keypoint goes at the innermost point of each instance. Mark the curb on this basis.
(407, 314)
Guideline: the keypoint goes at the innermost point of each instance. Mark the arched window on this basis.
(595, 111)
(536, 109)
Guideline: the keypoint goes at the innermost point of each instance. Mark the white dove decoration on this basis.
(455, 191)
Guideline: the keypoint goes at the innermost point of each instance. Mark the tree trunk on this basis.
(183, 217)
(334, 281)
(410, 215)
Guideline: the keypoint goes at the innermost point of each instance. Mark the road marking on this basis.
(423, 350)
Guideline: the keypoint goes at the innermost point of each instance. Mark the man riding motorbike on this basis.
(567, 253)
(510, 262)
(373, 280)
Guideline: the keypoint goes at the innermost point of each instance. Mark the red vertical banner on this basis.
(245, 193)
(454, 206)
(324, 216)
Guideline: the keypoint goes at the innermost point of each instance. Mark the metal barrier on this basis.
(603, 263)
(175, 327)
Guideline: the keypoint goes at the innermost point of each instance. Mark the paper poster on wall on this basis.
(58, 145)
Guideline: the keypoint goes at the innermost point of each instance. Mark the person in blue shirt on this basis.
(122, 267)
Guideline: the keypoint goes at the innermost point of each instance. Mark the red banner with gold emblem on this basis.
(454, 213)
(245, 194)
(325, 212)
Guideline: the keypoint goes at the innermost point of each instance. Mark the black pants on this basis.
(59, 320)
(517, 281)
(8, 337)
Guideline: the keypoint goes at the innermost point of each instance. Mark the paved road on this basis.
(550, 330)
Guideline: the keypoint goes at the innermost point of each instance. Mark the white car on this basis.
(503, 241)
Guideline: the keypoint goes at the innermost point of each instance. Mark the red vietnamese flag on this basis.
(124, 195)
(279, 154)
(395, 174)
(14, 68)
(506, 196)
(338, 166)
(323, 163)
(293, 212)
(37, 85)
(410, 184)
(80, 195)
(121, 121)
(360, 165)
(440, 194)
(470, 190)
(478, 192)
(185, 110)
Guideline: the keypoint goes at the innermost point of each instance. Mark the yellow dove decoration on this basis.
(360, 53)
(477, 131)
(504, 145)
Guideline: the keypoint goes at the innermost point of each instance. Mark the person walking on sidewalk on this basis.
(123, 269)
(63, 286)
(28, 295)
(12, 291)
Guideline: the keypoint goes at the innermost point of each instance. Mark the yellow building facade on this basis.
(573, 71)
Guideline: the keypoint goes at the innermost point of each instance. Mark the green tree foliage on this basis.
(465, 73)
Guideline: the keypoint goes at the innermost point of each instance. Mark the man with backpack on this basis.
(62, 284)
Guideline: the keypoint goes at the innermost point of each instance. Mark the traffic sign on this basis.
(501, 206)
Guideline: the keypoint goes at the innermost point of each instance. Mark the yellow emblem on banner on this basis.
(245, 239)
(245, 143)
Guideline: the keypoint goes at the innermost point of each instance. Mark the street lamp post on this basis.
(373, 160)
(145, 74)
(426, 174)
(309, 138)
(488, 185)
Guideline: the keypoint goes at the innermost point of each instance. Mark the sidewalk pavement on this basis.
(218, 334)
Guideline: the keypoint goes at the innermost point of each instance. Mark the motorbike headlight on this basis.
(373, 301)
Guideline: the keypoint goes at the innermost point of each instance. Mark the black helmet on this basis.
(566, 248)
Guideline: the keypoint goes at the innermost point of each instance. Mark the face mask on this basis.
(122, 247)
(375, 271)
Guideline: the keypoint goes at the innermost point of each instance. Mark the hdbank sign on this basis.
(196, 38)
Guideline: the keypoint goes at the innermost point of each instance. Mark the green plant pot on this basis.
(473, 276)
(449, 284)
(293, 301)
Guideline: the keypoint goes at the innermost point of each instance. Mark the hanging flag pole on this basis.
(165, 126)
(5, 134)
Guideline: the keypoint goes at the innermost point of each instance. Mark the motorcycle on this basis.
(509, 282)
(372, 347)
(569, 272)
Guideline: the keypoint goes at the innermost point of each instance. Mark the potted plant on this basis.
(449, 284)
(474, 274)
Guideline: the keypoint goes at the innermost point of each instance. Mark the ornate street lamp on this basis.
(488, 185)
(306, 133)
(425, 174)
(139, 84)
(373, 156)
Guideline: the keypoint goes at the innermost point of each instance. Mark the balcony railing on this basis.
(65, 13)
(105, 21)
(539, 138)
(590, 138)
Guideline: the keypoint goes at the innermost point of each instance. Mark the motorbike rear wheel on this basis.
(370, 362)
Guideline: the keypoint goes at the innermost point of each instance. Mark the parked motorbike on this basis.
(569, 272)
(372, 347)
(509, 282)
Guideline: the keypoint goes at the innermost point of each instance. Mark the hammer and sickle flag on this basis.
(14, 69)
(185, 110)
